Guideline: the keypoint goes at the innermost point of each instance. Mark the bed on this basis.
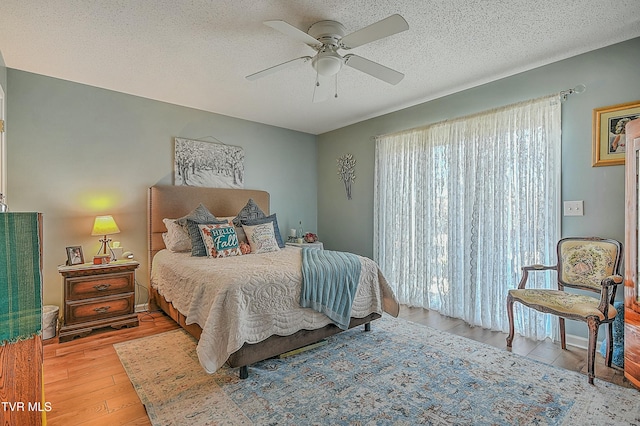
(229, 324)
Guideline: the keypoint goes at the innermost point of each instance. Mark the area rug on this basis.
(400, 373)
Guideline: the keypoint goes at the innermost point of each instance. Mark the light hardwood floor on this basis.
(86, 384)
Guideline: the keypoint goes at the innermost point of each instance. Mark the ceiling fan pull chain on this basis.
(315, 87)
(336, 95)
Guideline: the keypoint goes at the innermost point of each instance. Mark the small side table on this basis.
(316, 245)
(98, 296)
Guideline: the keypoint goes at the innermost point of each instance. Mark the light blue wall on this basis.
(76, 151)
(611, 76)
(3, 74)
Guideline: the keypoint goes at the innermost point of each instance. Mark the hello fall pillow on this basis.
(220, 240)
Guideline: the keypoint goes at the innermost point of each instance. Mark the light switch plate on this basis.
(574, 208)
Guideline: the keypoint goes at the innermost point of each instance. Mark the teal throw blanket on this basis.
(20, 281)
(329, 283)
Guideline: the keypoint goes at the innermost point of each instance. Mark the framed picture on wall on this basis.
(608, 132)
(214, 165)
(74, 255)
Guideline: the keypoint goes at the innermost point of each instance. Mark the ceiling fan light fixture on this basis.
(327, 63)
(326, 38)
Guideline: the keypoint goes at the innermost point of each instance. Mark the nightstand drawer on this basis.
(82, 288)
(96, 309)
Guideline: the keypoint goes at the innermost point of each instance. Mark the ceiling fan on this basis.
(326, 38)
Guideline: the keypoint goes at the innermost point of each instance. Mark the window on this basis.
(461, 205)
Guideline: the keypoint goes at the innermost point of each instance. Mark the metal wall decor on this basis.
(213, 165)
(346, 171)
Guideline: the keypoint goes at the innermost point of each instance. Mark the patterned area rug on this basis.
(400, 373)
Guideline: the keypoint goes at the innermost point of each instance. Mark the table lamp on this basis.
(105, 225)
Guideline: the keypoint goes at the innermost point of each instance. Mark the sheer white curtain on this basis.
(461, 205)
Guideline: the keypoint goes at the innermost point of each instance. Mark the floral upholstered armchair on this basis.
(590, 264)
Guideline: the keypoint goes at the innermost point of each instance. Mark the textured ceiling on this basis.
(197, 53)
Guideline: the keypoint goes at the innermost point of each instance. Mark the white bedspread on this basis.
(245, 299)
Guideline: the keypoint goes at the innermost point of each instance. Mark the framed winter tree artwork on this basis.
(213, 165)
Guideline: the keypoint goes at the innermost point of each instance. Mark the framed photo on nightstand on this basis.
(74, 255)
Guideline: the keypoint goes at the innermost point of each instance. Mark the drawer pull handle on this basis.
(101, 287)
(102, 309)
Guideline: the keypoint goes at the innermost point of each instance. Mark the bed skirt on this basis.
(270, 347)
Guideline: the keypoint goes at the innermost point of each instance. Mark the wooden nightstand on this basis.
(98, 296)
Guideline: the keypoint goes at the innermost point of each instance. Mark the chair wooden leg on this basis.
(563, 336)
(510, 315)
(609, 352)
(593, 324)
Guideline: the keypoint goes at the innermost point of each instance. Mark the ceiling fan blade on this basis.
(293, 32)
(389, 26)
(374, 69)
(277, 68)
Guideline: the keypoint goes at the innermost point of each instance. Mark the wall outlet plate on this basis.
(574, 208)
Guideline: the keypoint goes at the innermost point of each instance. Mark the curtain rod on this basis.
(580, 88)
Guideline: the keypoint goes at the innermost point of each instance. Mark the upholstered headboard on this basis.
(172, 202)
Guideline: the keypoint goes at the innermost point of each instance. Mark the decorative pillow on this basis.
(176, 238)
(229, 219)
(245, 248)
(220, 240)
(261, 237)
(190, 223)
(197, 243)
(249, 211)
(241, 236)
(199, 215)
(276, 229)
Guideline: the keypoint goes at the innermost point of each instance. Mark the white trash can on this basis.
(49, 321)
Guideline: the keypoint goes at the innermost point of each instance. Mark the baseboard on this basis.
(144, 307)
(577, 341)
(581, 342)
